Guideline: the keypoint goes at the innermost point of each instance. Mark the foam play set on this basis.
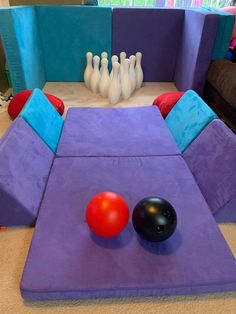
(51, 166)
(100, 160)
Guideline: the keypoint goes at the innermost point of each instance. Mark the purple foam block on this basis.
(212, 160)
(25, 162)
(66, 261)
(139, 131)
(154, 32)
(195, 50)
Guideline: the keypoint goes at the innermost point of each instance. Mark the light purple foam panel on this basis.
(66, 261)
(137, 131)
(212, 160)
(25, 162)
(195, 49)
(154, 32)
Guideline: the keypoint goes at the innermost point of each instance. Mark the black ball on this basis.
(154, 219)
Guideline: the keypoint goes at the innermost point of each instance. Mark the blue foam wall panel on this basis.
(224, 33)
(67, 33)
(20, 36)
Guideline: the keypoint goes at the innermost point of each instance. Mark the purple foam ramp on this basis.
(137, 131)
(82, 265)
(211, 158)
(25, 162)
(154, 32)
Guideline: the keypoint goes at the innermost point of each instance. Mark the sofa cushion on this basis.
(39, 113)
(221, 76)
(212, 160)
(134, 131)
(25, 162)
(188, 118)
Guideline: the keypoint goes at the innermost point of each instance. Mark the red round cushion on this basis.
(166, 102)
(18, 101)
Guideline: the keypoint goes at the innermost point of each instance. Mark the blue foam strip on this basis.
(40, 114)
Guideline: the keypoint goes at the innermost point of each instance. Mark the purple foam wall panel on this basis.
(154, 32)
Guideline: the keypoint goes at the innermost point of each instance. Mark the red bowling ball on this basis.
(107, 214)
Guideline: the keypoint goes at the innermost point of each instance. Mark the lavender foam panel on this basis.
(154, 32)
(67, 261)
(139, 131)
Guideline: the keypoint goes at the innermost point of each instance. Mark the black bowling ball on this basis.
(154, 219)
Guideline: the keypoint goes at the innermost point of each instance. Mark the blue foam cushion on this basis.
(188, 118)
(67, 33)
(20, 35)
(39, 113)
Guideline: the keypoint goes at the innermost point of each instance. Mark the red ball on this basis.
(107, 214)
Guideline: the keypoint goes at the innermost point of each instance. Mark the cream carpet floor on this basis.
(15, 242)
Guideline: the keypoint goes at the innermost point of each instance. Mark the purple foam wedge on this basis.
(212, 160)
(25, 162)
(67, 261)
(137, 131)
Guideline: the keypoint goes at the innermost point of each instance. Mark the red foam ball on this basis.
(18, 101)
(107, 214)
(167, 101)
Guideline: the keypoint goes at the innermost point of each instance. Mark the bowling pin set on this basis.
(124, 79)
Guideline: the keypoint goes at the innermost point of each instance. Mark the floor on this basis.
(15, 242)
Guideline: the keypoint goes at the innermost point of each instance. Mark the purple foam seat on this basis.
(82, 265)
(25, 162)
(212, 160)
(139, 131)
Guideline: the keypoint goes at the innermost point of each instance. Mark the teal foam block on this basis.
(67, 33)
(20, 36)
(224, 33)
(188, 118)
(39, 113)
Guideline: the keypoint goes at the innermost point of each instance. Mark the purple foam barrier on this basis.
(25, 162)
(154, 32)
(116, 132)
(211, 158)
(66, 261)
(195, 49)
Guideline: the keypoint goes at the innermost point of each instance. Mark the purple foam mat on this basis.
(139, 131)
(66, 261)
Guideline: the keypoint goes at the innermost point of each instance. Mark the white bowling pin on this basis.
(132, 72)
(105, 78)
(138, 69)
(104, 54)
(95, 77)
(114, 59)
(122, 58)
(126, 88)
(88, 70)
(114, 90)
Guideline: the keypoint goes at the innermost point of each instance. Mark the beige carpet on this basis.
(15, 242)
